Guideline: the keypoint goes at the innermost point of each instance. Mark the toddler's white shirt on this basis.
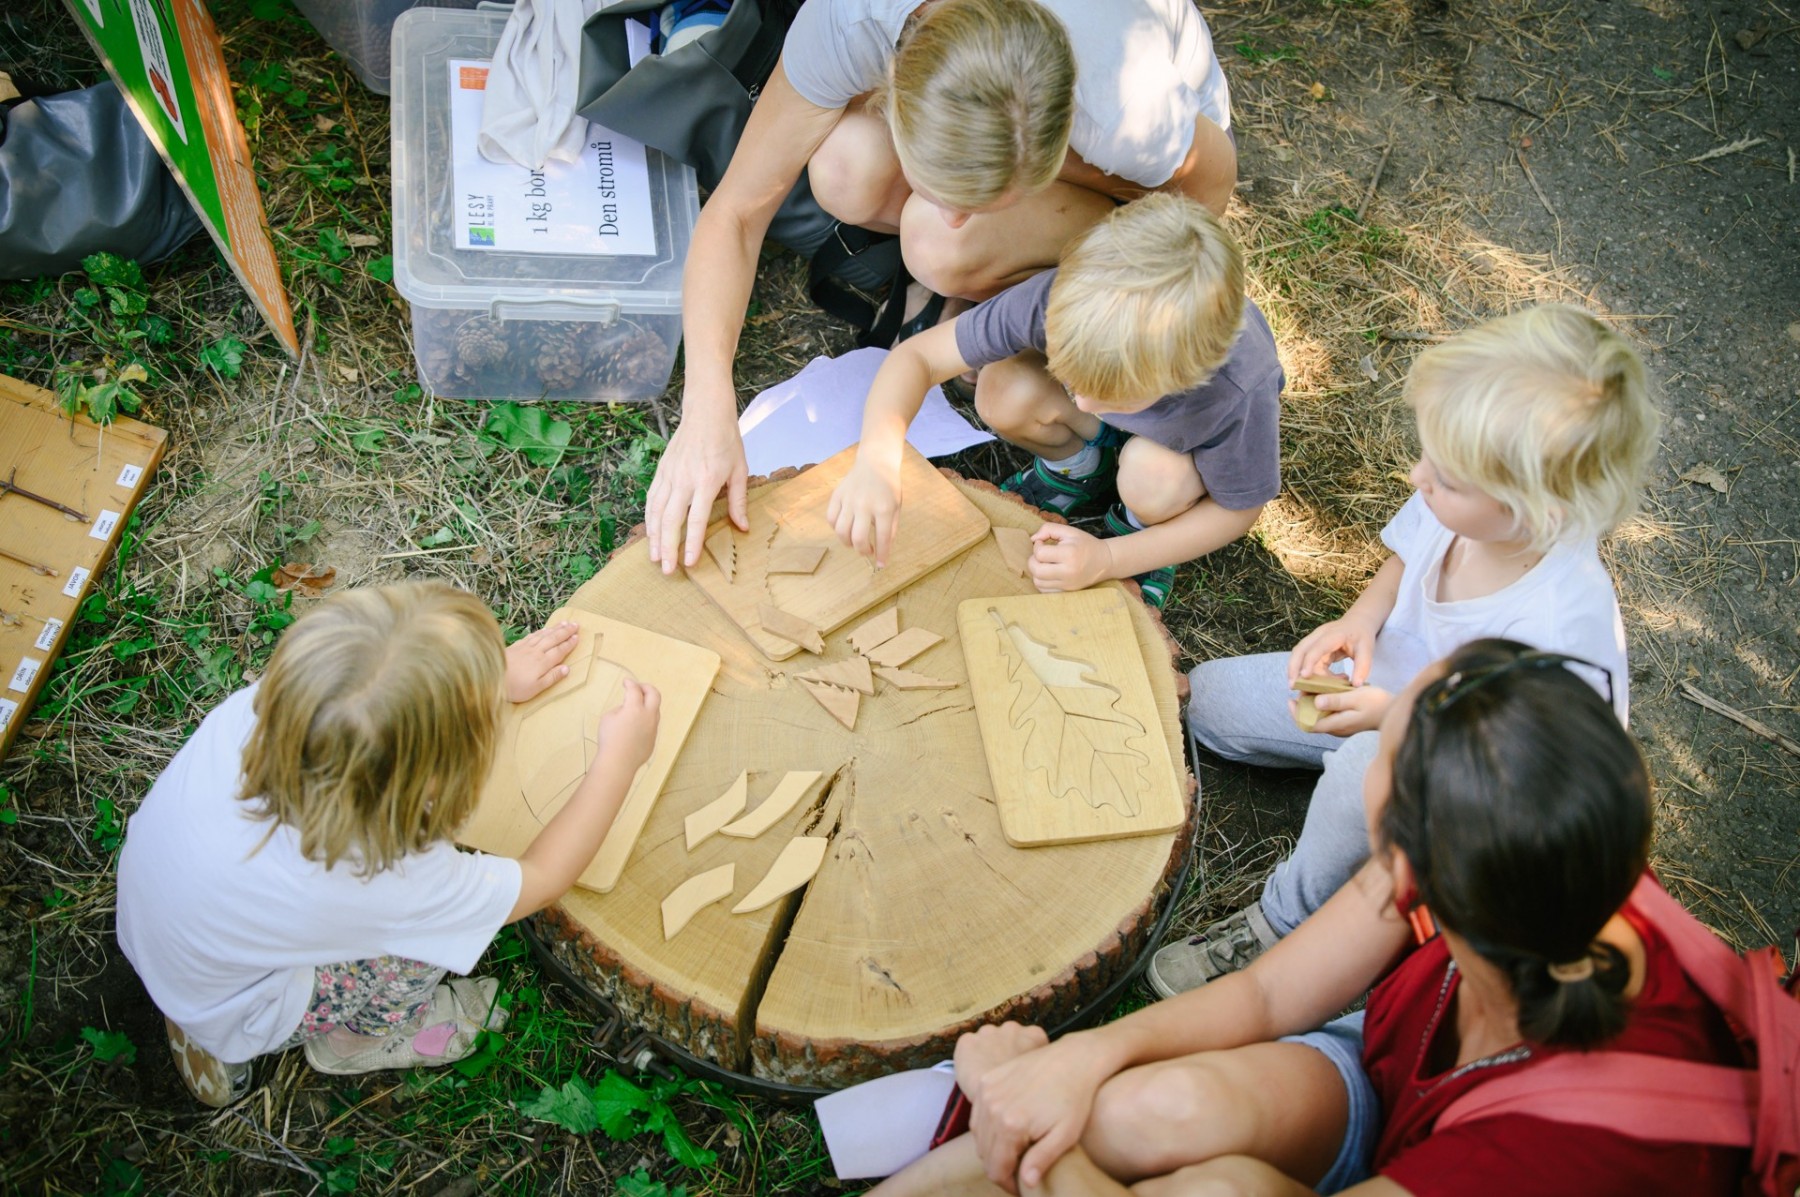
(1564, 604)
(226, 934)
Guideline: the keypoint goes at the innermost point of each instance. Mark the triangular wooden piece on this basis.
(852, 672)
(1015, 547)
(904, 647)
(695, 894)
(720, 811)
(795, 558)
(790, 627)
(840, 701)
(879, 630)
(721, 546)
(906, 679)
(1306, 712)
(785, 796)
(796, 865)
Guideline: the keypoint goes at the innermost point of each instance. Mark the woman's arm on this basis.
(1208, 173)
(706, 452)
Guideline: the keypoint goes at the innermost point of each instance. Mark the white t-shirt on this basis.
(226, 935)
(1564, 604)
(1144, 69)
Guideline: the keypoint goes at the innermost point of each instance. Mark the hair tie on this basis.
(1572, 971)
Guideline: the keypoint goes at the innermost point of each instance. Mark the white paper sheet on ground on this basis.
(819, 411)
(879, 1127)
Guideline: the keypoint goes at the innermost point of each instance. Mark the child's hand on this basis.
(1332, 642)
(1067, 559)
(865, 511)
(628, 731)
(1353, 711)
(534, 663)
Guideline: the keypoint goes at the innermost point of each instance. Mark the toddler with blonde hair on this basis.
(291, 880)
(1137, 370)
(1535, 433)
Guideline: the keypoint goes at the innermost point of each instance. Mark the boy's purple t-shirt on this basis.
(1230, 424)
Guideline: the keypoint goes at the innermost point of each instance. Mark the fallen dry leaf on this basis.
(1318, 91)
(309, 579)
(361, 240)
(1703, 474)
(323, 123)
(348, 373)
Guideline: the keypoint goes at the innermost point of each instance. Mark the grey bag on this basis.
(78, 176)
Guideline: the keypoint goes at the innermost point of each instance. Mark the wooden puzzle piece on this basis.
(841, 702)
(1306, 713)
(872, 632)
(1015, 548)
(852, 672)
(694, 895)
(790, 628)
(796, 865)
(721, 546)
(715, 814)
(796, 558)
(781, 800)
(906, 679)
(902, 648)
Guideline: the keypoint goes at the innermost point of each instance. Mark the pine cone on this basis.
(561, 360)
(480, 343)
(629, 357)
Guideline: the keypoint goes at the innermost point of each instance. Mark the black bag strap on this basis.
(845, 249)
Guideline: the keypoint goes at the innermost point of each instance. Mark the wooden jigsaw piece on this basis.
(1306, 715)
(796, 558)
(904, 647)
(796, 865)
(906, 679)
(777, 622)
(715, 814)
(721, 546)
(852, 672)
(1015, 548)
(785, 796)
(695, 894)
(840, 701)
(878, 630)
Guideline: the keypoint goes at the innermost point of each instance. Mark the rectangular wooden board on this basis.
(1069, 723)
(100, 472)
(936, 523)
(537, 765)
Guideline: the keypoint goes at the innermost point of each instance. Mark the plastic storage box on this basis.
(492, 320)
(361, 29)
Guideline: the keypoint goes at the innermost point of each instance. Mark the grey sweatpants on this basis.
(1239, 710)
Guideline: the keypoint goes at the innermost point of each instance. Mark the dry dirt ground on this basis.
(1408, 167)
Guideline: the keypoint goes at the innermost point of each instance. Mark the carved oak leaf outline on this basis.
(1072, 728)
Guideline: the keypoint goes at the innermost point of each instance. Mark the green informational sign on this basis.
(165, 56)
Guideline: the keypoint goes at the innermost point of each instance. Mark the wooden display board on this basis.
(100, 473)
(787, 524)
(547, 744)
(1068, 719)
(922, 921)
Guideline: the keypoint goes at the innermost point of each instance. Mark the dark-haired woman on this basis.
(1508, 802)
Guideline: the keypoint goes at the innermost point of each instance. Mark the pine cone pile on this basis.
(562, 353)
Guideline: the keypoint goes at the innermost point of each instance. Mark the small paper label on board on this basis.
(77, 579)
(47, 637)
(129, 475)
(8, 708)
(103, 526)
(27, 670)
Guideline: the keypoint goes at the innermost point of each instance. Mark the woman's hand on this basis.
(865, 510)
(1064, 558)
(1329, 643)
(534, 663)
(703, 457)
(1031, 1104)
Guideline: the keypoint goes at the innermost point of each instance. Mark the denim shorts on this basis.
(1341, 1041)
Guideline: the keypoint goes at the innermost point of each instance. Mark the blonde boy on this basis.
(1536, 430)
(1136, 370)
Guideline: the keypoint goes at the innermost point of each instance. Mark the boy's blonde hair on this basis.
(979, 100)
(1147, 303)
(376, 722)
(1546, 410)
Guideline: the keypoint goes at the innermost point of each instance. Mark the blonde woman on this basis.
(987, 133)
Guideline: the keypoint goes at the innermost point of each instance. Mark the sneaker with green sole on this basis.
(1049, 490)
(1155, 585)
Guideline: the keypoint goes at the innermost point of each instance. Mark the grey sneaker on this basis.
(1225, 947)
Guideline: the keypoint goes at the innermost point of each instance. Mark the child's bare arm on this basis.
(1069, 559)
(865, 507)
(568, 842)
(1353, 633)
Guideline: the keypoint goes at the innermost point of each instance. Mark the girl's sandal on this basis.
(212, 1081)
(443, 1034)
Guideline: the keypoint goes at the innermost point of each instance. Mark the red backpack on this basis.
(1679, 1101)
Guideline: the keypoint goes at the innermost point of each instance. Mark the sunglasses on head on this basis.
(1455, 685)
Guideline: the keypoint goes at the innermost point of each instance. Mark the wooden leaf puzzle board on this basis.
(101, 473)
(936, 523)
(1068, 719)
(547, 744)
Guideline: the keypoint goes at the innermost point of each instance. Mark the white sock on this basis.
(1080, 464)
(1131, 517)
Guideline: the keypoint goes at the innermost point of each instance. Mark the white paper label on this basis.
(103, 527)
(596, 206)
(8, 708)
(21, 678)
(77, 579)
(129, 475)
(156, 63)
(47, 637)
